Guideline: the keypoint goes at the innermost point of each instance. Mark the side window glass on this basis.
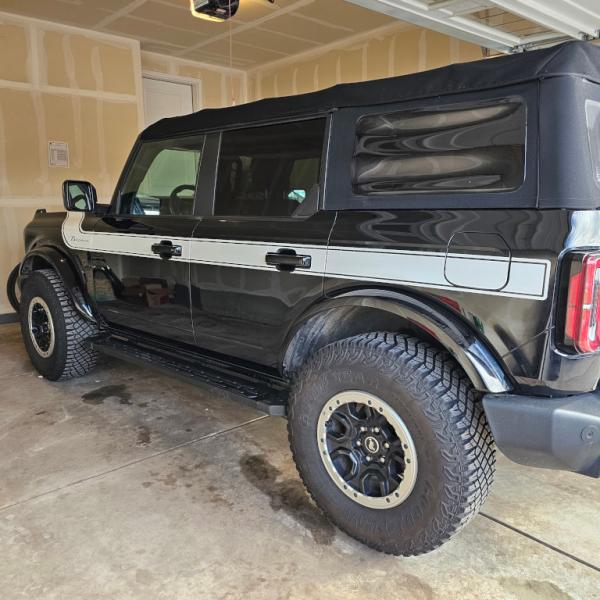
(464, 149)
(162, 180)
(270, 170)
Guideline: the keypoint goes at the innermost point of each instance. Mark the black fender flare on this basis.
(481, 365)
(70, 275)
(12, 288)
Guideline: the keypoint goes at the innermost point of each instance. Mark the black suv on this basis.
(409, 269)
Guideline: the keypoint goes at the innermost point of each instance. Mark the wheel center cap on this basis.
(371, 444)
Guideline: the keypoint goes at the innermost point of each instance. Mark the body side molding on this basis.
(528, 277)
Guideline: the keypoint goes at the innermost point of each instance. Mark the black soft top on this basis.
(571, 58)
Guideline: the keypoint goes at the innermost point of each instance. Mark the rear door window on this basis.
(269, 171)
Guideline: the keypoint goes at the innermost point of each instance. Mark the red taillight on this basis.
(583, 306)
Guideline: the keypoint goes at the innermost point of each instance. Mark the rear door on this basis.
(258, 260)
(142, 248)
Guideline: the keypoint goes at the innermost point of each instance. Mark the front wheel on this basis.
(390, 440)
(55, 334)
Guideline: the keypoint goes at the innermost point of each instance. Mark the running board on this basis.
(260, 390)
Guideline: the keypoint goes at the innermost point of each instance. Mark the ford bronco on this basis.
(408, 269)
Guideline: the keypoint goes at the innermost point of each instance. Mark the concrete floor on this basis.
(127, 484)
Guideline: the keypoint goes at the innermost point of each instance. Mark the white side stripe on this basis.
(490, 275)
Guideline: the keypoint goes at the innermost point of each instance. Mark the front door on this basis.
(142, 246)
(258, 261)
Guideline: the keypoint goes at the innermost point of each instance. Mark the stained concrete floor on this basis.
(127, 484)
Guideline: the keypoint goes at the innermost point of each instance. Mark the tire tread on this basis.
(451, 404)
(80, 357)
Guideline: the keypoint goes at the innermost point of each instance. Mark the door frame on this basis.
(195, 84)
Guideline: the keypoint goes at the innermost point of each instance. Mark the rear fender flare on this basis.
(69, 274)
(480, 364)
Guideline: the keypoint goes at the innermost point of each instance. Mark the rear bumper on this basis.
(552, 433)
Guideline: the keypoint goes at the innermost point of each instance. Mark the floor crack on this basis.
(533, 538)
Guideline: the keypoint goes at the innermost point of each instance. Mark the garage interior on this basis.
(126, 483)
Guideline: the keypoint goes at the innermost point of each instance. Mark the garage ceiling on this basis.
(504, 25)
(261, 32)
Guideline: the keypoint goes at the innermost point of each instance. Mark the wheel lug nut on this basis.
(359, 443)
(369, 459)
(375, 429)
(382, 460)
(363, 429)
(386, 445)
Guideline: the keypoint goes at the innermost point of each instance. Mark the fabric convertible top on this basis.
(572, 58)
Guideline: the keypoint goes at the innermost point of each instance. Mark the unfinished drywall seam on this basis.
(259, 86)
(223, 85)
(245, 84)
(54, 26)
(175, 60)
(422, 51)
(138, 84)
(392, 57)
(364, 59)
(38, 108)
(40, 118)
(34, 54)
(69, 62)
(63, 91)
(30, 202)
(105, 178)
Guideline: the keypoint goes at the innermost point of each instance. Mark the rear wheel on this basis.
(54, 332)
(390, 439)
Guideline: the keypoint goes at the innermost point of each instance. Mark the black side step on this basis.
(260, 390)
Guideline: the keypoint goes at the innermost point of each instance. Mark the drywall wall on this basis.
(391, 50)
(59, 83)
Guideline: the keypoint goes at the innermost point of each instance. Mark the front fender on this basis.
(480, 364)
(69, 274)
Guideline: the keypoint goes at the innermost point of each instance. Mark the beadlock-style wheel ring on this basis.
(367, 449)
(41, 327)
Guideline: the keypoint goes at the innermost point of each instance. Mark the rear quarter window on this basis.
(458, 149)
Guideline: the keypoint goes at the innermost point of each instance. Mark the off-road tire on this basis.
(71, 356)
(442, 411)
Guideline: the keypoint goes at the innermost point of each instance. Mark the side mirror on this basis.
(79, 195)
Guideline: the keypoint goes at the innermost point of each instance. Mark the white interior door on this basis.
(166, 99)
